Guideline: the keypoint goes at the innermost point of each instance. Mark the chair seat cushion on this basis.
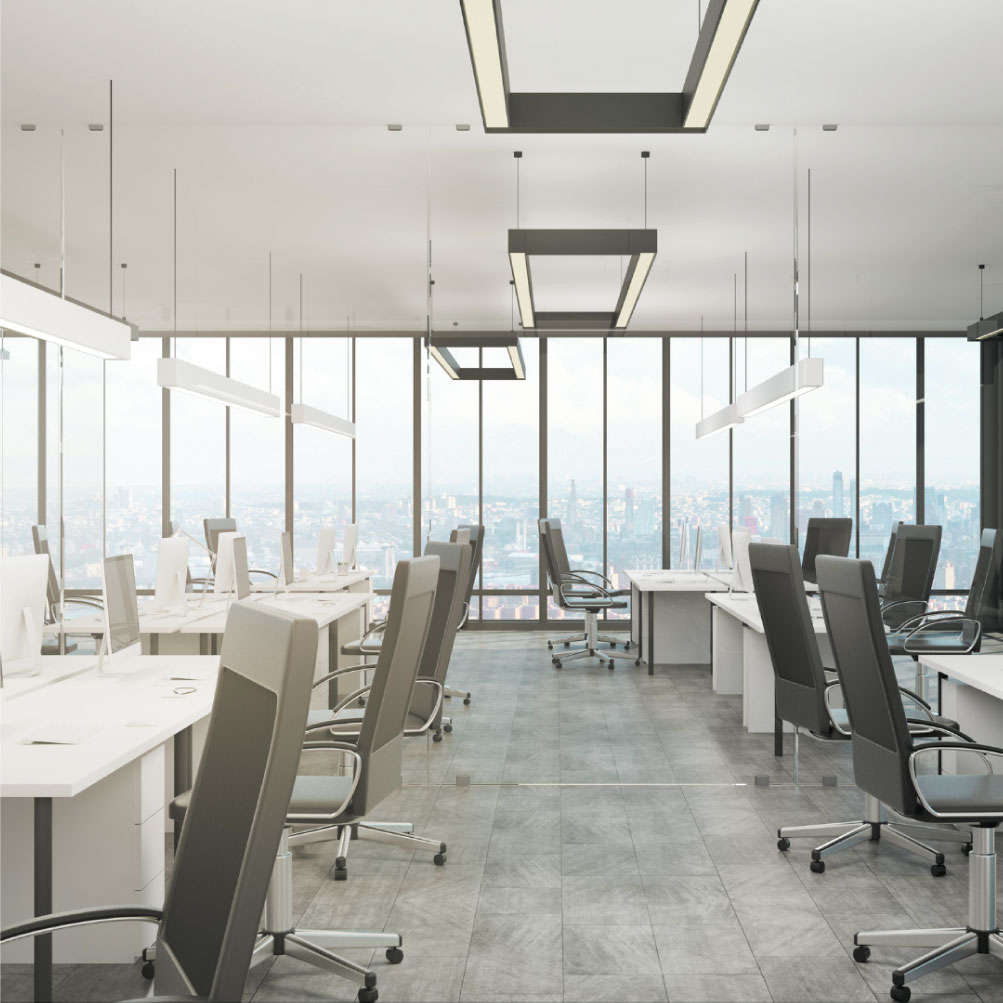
(968, 794)
(318, 795)
(178, 806)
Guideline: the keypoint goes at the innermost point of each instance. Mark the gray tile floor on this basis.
(612, 845)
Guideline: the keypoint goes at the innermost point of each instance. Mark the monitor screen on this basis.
(724, 543)
(287, 573)
(172, 572)
(684, 543)
(743, 566)
(225, 579)
(348, 551)
(240, 573)
(121, 608)
(325, 550)
(698, 549)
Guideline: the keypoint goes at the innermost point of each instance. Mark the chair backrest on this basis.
(557, 541)
(881, 740)
(913, 564)
(886, 566)
(238, 803)
(550, 559)
(477, 543)
(454, 570)
(40, 538)
(213, 527)
(381, 735)
(985, 597)
(824, 536)
(790, 636)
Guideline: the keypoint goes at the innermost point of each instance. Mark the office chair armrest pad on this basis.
(936, 726)
(987, 750)
(80, 917)
(928, 616)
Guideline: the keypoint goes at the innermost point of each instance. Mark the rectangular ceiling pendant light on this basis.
(708, 76)
(633, 284)
(523, 288)
(442, 343)
(784, 386)
(29, 309)
(719, 421)
(482, 19)
(176, 374)
(303, 414)
(989, 327)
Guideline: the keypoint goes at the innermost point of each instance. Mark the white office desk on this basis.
(83, 825)
(668, 616)
(742, 662)
(55, 668)
(352, 581)
(971, 693)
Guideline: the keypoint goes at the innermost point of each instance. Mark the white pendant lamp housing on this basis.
(303, 414)
(719, 421)
(784, 386)
(176, 374)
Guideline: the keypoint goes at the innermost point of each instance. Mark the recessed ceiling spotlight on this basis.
(463, 127)
(96, 127)
(395, 127)
(829, 127)
(27, 126)
(762, 127)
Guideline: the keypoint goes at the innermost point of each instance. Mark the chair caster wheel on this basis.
(861, 953)
(341, 874)
(437, 736)
(466, 700)
(938, 870)
(147, 970)
(395, 955)
(550, 646)
(368, 995)
(362, 701)
(966, 848)
(900, 994)
(557, 664)
(783, 843)
(567, 644)
(447, 727)
(817, 866)
(439, 859)
(637, 661)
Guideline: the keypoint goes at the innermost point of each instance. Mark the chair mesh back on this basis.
(881, 741)
(40, 538)
(984, 597)
(381, 735)
(825, 536)
(238, 803)
(790, 636)
(913, 563)
(213, 527)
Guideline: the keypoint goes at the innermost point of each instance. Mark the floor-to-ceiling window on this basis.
(19, 433)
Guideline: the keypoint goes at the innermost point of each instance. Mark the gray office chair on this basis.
(53, 602)
(476, 531)
(886, 765)
(213, 527)
(804, 698)
(325, 803)
(887, 563)
(824, 536)
(222, 870)
(578, 596)
(424, 710)
(906, 590)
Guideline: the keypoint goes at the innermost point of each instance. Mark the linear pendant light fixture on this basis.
(985, 327)
(783, 386)
(186, 377)
(719, 421)
(440, 345)
(30, 309)
(482, 20)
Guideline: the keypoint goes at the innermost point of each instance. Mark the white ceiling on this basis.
(274, 117)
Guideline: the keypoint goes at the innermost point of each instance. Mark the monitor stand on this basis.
(34, 643)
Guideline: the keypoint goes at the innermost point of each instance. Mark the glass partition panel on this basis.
(18, 442)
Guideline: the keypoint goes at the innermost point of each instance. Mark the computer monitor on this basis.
(824, 536)
(742, 575)
(287, 572)
(40, 538)
(349, 547)
(121, 613)
(213, 527)
(231, 566)
(724, 547)
(325, 551)
(22, 611)
(684, 543)
(172, 573)
(698, 549)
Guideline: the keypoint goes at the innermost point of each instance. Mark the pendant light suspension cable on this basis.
(269, 321)
(982, 273)
(746, 285)
(808, 288)
(174, 309)
(701, 367)
(301, 340)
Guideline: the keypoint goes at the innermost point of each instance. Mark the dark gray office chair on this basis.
(824, 536)
(804, 698)
(906, 590)
(886, 565)
(885, 764)
(424, 711)
(578, 596)
(223, 866)
(326, 802)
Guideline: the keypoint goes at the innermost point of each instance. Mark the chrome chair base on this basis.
(874, 826)
(951, 944)
(591, 649)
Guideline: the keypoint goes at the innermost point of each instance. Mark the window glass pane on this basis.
(698, 467)
(198, 450)
(826, 439)
(322, 467)
(18, 443)
(634, 458)
(762, 466)
(887, 441)
(952, 456)
(133, 521)
(257, 454)
(575, 446)
(384, 451)
(511, 555)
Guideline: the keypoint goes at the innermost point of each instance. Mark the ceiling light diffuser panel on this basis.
(719, 421)
(304, 414)
(185, 377)
(783, 386)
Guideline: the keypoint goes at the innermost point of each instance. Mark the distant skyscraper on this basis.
(644, 524)
(628, 518)
(572, 505)
(837, 494)
(779, 518)
(853, 499)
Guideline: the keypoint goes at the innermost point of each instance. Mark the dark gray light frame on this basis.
(617, 112)
(484, 339)
(589, 242)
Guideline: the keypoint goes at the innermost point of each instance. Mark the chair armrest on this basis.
(926, 617)
(933, 626)
(336, 709)
(342, 671)
(829, 708)
(915, 697)
(984, 751)
(944, 729)
(921, 604)
(79, 917)
(262, 571)
(411, 732)
(342, 747)
(585, 571)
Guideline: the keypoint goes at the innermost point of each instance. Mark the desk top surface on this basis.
(677, 580)
(55, 668)
(983, 672)
(155, 697)
(311, 582)
(744, 608)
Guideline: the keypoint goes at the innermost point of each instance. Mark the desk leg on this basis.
(333, 646)
(154, 644)
(651, 632)
(43, 897)
(778, 735)
(182, 771)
